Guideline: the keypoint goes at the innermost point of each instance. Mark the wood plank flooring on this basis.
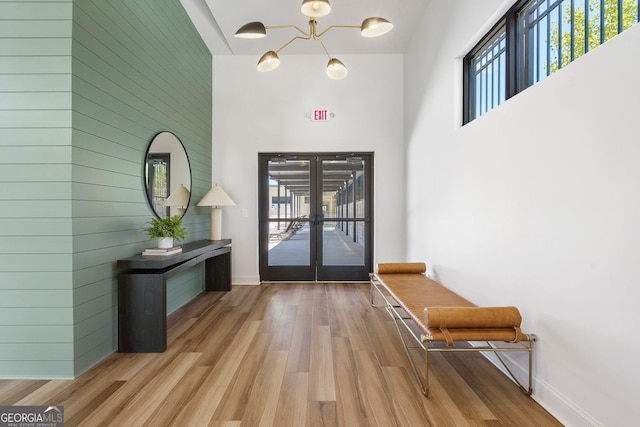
(283, 355)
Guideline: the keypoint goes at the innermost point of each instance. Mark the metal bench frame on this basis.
(425, 340)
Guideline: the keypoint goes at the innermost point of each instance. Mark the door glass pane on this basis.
(289, 236)
(343, 201)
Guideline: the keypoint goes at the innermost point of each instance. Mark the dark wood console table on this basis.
(142, 291)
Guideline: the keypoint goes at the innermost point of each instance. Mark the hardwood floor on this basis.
(283, 355)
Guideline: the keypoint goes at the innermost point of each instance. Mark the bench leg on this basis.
(373, 288)
(371, 285)
(424, 384)
(526, 389)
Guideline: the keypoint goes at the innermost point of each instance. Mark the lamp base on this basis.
(216, 224)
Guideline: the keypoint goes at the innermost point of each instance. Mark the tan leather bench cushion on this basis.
(402, 267)
(473, 324)
(472, 317)
(416, 293)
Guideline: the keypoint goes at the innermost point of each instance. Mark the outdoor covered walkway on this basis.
(337, 248)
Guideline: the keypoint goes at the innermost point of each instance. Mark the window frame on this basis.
(469, 93)
(517, 56)
(512, 79)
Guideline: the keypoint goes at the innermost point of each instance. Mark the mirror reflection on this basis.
(167, 175)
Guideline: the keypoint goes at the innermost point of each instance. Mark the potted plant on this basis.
(166, 230)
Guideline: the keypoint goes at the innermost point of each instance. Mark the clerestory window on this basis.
(534, 39)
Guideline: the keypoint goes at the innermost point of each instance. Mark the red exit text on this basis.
(320, 115)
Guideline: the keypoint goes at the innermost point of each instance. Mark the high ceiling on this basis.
(218, 20)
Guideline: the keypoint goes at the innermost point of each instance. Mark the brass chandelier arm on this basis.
(336, 26)
(370, 27)
(292, 40)
(324, 47)
(311, 34)
(277, 27)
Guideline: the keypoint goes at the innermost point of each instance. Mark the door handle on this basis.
(317, 219)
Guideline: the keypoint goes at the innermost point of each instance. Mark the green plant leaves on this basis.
(170, 226)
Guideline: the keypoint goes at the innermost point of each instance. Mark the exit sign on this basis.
(321, 115)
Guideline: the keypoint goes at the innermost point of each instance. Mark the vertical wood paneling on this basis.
(84, 86)
(36, 327)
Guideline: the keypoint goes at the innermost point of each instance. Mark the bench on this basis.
(443, 321)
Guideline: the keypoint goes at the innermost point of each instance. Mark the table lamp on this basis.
(179, 198)
(215, 198)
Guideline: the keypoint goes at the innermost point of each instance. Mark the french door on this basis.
(315, 216)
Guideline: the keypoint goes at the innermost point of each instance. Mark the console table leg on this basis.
(142, 313)
(217, 271)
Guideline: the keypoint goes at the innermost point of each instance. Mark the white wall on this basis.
(535, 204)
(265, 112)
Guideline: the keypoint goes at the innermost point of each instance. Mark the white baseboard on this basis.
(558, 405)
(245, 280)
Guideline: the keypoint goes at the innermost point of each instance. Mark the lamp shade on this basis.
(374, 27)
(268, 62)
(216, 197)
(252, 30)
(336, 69)
(315, 7)
(180, 197)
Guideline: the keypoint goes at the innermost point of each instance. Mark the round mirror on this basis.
(167, 175)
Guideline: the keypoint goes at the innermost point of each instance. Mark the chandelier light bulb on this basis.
(268, 62)
(315, 7)
(374, 27)
(336, 69)
(370, 27)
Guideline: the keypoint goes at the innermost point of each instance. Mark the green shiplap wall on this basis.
(139, 67)
(72, 144)
(36, 242)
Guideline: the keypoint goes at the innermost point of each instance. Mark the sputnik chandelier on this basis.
(371, 27)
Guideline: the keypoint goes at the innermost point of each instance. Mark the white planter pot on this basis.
(165, 242)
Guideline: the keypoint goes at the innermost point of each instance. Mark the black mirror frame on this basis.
(145, 177)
